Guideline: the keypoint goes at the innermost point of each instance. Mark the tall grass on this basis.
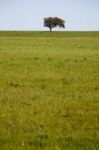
(49, 90)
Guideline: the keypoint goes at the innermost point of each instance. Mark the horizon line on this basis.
(49, 31)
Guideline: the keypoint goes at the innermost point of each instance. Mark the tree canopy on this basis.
(52, 22)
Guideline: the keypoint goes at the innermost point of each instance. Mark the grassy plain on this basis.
(49, 91)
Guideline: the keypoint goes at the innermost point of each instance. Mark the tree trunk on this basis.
(50, 29)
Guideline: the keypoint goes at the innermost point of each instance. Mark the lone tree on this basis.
(52, 22)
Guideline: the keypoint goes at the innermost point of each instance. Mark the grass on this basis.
(49, 90)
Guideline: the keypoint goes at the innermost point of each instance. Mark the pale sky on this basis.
(29, 14)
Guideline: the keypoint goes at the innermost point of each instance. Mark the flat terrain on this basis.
(49, 91)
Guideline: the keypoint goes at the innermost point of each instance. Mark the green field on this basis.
(49, 91)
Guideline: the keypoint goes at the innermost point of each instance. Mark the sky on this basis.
(79, 15)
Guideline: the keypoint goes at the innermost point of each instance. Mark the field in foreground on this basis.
(49, 91)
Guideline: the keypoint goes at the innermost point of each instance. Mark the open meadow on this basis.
(49, 90)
